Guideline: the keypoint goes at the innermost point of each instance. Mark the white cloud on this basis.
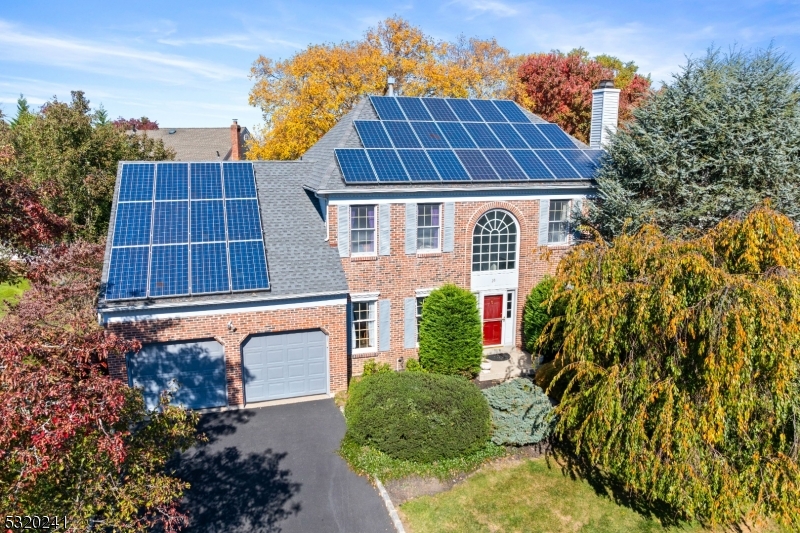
(236, 41)
(494, 7)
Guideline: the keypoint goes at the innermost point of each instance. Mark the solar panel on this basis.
(355, 165)
(488, 111)
(482, 135)
(580, 162)
(511, 111)
(430, 136)
(448, 165)
(136, 182)
(209, 268)
(532, 136)
(439, 109)
(127, 273)
(418, 166)
(464, 110)
(239, 180)
(507, 135)
(595, 155)
(504, 165)
(531, 164)
(556, 136)
(169, 270)
(387, 108)
(456, 135)
(132, 226)
(387, 165)
(372, 134)
(413, 108)
(557, 164)
(478, 168)
(248, 266)
(208, 221)
(401, 133)
(171, 222)
(244, 222)
(206, 181)
(172, 181)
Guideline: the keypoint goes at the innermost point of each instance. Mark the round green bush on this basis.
(418, 416)
(535, 317)
(521, 413)
(450, 334)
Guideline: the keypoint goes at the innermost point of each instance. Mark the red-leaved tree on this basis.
(73, 441)
(559, 87)
(135, 124)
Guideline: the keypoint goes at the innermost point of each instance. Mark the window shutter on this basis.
(385, 228)
(411, 228)
(384, 317)
(544, 219)
(343, 230)
(449, 226)
(410, 322)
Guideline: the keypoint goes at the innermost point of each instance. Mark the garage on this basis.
(285, 365)
(193, 371)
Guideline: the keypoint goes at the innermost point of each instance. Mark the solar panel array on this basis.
(185, 229)
(448, 139)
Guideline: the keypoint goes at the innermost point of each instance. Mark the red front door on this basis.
(492, 320)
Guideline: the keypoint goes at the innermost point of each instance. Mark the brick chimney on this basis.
(236, 146)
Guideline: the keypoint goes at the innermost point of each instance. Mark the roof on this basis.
(199, 144)
(327, 177)
(300, 261)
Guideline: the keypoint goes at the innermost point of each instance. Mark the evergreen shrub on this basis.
(374, 367)
(450, 335)
(413, 365)
(418, 416)
(521, 413)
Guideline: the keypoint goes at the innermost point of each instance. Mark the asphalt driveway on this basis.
(276, 469)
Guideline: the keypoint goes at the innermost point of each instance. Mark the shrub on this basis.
(450, 336)
(374, 367)
(418, 416)
(413, 365)
(521, 413)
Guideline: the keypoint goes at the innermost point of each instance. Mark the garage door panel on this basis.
(296, 365)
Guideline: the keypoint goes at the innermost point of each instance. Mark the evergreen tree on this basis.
(724, 135)
(100, 116)
(24, 115)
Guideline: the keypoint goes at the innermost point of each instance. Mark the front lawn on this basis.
(11, 293)
(529, 497)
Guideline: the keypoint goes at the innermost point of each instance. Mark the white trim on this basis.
(422, 293)
(460, 199)
(141, 315)
(362, 351)
(364, 296)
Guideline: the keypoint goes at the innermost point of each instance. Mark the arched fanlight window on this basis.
(494, 242)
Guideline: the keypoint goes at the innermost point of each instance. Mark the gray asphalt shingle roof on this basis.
(198, 144)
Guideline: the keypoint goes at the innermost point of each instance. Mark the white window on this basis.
(362, 229)
(558, 224)
(428, 227)
(510, 304)
(364, 334)
(494, 242)
(420, 301)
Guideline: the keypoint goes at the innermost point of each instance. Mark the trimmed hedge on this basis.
(450, 334)
(418, 416)
(535, 317)
(521, 413)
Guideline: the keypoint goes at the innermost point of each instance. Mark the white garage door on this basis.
(285, 365)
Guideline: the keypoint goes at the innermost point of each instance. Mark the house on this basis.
(204, 144)
(266, 280)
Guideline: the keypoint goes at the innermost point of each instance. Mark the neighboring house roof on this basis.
(199, 144)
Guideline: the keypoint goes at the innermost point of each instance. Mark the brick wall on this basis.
(330, 319)
(398, 275)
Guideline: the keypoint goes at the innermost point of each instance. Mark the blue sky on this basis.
(186, 63)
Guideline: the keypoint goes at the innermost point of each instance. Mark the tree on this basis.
(24, 114)
(73, 440)
(685, 364)
(100, 117)
(304, 96)
(558, 87)
(536, 315)
(717, 140)
(450, 337)
(72, 165)
(134, 124)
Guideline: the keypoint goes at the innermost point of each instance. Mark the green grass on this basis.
(530, 497)
(368, 461)
(10, 293)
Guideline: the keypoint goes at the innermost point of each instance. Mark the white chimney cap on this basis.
(391, 79)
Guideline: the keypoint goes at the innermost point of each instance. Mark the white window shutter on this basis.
(544, 219)
(449, 226)
(343, 230)
(409, 322)
(384, 331)
(385, 229)
(411, 228)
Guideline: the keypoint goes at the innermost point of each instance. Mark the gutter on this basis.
(588, 184)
